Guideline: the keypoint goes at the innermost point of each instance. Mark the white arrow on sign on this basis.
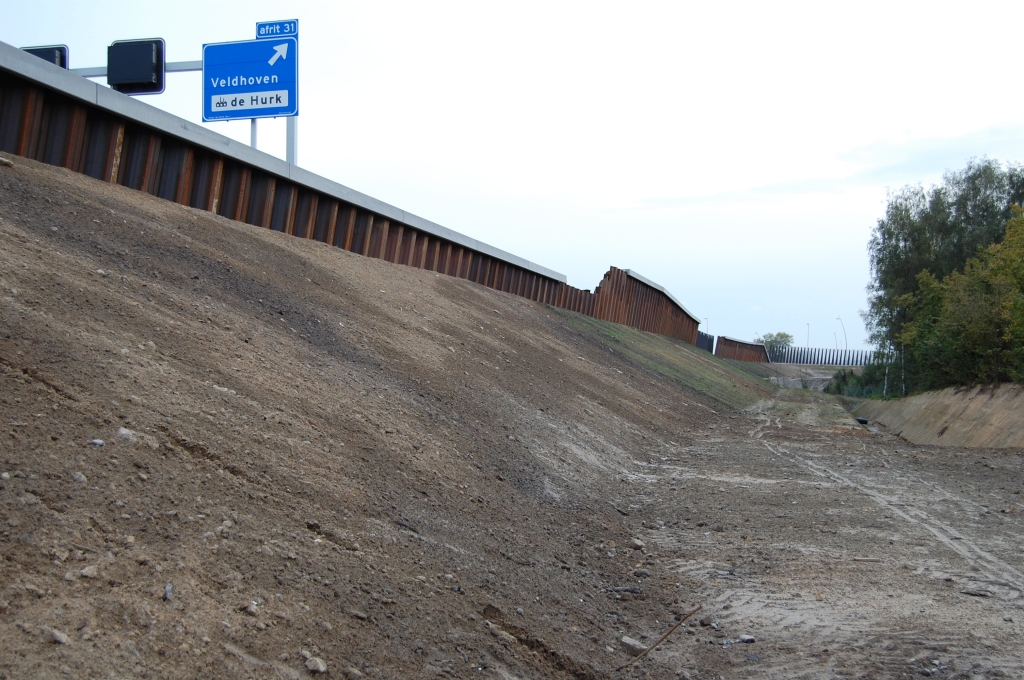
(280, 52)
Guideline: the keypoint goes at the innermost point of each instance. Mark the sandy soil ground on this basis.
(231, 453)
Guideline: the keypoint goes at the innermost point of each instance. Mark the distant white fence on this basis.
(816, 356)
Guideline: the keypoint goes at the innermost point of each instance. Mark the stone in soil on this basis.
(56, 636)
(634, 647)
(316, 665)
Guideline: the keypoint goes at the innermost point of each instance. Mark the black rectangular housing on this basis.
(136, 66)
(55, 54)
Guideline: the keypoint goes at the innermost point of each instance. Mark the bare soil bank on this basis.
(975, 417)
(226, 449)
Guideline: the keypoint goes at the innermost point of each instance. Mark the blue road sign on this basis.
(251, 79)
(277, 29)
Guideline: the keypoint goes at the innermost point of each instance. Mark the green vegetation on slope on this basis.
(692, 369)
(868, 384)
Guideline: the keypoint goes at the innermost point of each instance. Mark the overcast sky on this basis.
(738, 154)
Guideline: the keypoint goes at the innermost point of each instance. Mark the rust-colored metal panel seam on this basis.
(149, 163)
(430, 253)
(293, 205)
(399, 241)
(349, 226)
(311, 213)
(367, 233)
(117, 148)
(268, 202)
(408, 248)
(186, 177)
(218, 184)
(334, 216)
(382, 228)
(76, 141)
(427, 247)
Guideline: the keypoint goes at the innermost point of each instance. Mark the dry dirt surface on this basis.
(231, 453)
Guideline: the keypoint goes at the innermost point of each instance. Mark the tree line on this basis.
(946, 297)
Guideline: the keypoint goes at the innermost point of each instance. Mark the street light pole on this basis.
(845, 343)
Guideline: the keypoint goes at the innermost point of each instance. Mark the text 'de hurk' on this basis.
(249, 100)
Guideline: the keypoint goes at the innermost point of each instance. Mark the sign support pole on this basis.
(252, 133)
(292, 143)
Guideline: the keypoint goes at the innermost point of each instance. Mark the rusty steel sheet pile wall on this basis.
(738, 350)
(50, 127)
(52, 116)
(623, 298)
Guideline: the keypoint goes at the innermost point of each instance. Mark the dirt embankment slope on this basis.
(225, 450)
(977, 417)
(376, 458)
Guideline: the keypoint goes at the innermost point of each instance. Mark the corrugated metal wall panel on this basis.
(727, 348)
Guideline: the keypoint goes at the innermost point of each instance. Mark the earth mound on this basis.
(228, 452)
(228, 447)
(978, 417)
